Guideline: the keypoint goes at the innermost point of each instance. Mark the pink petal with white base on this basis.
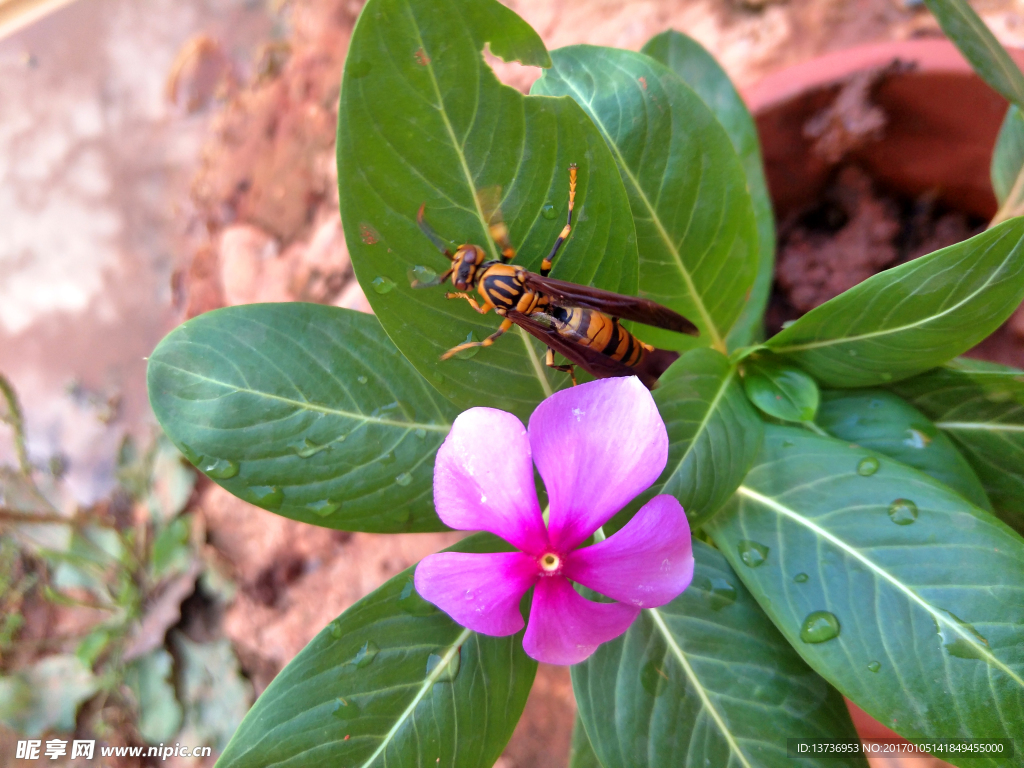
(483, 479)
(597, 446)
(565, 628)
(479, 591)
(648, 563)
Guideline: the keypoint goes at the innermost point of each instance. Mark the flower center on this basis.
(550, 562)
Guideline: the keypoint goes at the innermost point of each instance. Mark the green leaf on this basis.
(780, 390)
(926, 592)
(1008, 155)
(881, 421)
(686, 186)
(979, 46)
(424, 121)
(699, 70)
(981, 407)
(713, 434)
(149, 679)
(45, 695)
(705, 680)
(581, 754)
(912, 317)
(392, 681)
(305, 410)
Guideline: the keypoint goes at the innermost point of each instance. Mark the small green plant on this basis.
(861, 486)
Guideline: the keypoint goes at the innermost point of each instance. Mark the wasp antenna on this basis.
(431, 234)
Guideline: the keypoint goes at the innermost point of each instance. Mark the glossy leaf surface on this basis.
(891, 586)
(981, 407)
(912, 317)
(883, 422)
(780, 390)
(705, 680)
(392, 681)
(713, 432)
(581, 753)
(1007, 168)
(695, 227)
(423, 120)
(689, 60)
(305, 410)
(979, 46)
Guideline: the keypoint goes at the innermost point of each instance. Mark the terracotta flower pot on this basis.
(913, 115)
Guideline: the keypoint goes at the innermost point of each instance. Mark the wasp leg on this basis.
(470, 299)
(485, 343)
(499, 233)
(549, 361)
(545, 266)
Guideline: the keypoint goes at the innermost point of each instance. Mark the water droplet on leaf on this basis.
(752, 553)
(365, 655)
(410, 601)
(717, 590)
(221, 469)
(966, 644)
(420, 432)
(867, 466)
(653, 678)
(874, 666)
(421, 275)
(362, 379)
(801, 578)
(468, 353)
(548, 211)
(403, 479)
(819, 627)
(437, 377)
(323, 508)
(388, 458)
(903, 511)
(917, 439)
(306, 448)
(335, 629)
(190, 453)
(266, 496)
(451, 666)
(382, 284)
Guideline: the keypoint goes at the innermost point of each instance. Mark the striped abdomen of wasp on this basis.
(579, 322)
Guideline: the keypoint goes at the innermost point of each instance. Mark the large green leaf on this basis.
(581, 754)
(713, 433)
(391, 682)
(895, 589)
(705, 680)
(780, 390)
(699, 70)
(981, 406)
(881, 421)
(912, 317)
(979, 46)
(305, 410)
(695, 227)
(423, 120)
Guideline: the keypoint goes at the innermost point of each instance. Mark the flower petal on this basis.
(597, 446)
(648, 563)
(565, 627)
(480, 591)
(483, 479)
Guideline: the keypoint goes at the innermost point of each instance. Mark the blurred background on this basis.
(162, 159)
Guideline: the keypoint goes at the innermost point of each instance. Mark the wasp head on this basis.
(464, 265)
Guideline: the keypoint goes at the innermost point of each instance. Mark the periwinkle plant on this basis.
(855, 489)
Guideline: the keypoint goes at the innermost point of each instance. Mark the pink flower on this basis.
(597, 446)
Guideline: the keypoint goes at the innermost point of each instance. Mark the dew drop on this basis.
(874, 666)
(801, 578)
(469, 594)
(397, 410)
(410, 601)
(548, 211)
(819, 627)
(719, 592)
(903, 511)
(437, 377)
(653, 678)
(451, 667)
(752, 553)
(962, 647)
(335, 627)
(388, 458)
(323, 508)
(356, 70)
(266, 496)
(220, 469)
(403, 479)
(917, 439)
(344, 709)
(306, 448)
(190, 453)
(420, 432)
(365, 655)
(382, 284)
(468, 353)
(867, 466)
(788, 443)
(362, 379)
(421, 275)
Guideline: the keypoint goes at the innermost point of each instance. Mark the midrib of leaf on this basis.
(716, 337)
(1014, 201)
(703, 694)
(428, 682)
(703, 423)
(307, 406)
(979, 426)
(898, 329)
(938, 616)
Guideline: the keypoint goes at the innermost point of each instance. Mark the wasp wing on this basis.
(615, 304)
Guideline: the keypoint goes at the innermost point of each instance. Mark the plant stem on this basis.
(815, 428)
(17, 424)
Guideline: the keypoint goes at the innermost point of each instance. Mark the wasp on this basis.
(580, 323)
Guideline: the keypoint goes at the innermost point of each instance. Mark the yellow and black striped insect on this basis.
(579, 322)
